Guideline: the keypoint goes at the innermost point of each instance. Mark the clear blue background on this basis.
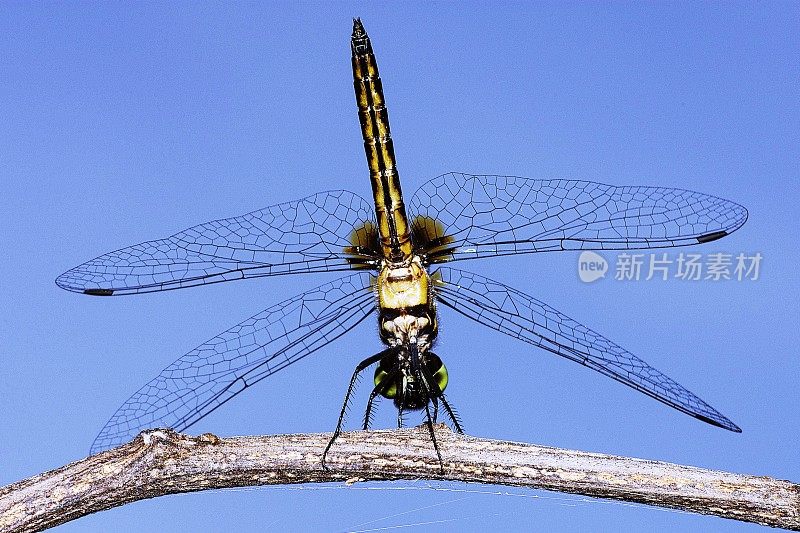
(126, 122)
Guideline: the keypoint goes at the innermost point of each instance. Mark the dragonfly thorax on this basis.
(407, 313)
(403, 284)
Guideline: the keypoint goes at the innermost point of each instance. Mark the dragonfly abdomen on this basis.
(393, 227)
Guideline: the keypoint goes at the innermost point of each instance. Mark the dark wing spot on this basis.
(732, 427)
(711, 236)
(99, 292)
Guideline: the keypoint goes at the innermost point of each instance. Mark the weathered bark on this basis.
(164, 462)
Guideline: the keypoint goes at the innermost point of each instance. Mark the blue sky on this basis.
(127, 122)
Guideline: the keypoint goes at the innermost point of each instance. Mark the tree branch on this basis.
(163, 462)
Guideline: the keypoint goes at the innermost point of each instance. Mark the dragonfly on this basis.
(395, 258)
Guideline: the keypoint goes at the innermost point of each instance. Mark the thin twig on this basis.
(163, 462)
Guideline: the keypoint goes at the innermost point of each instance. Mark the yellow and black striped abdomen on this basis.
(393, 228)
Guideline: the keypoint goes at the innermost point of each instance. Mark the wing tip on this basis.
(62, 283)
(743, 215)
(100, 445)
(733, 427)
(69, 281)
(721, 422)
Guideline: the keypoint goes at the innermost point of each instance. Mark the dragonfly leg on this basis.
(435, 402)
(380, 388)
(437, 393)
(418, 371)
(433, 433)
(454, 418)
(369, 361)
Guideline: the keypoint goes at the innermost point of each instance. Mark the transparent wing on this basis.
(516, 314)
(314, 234)
(459, 216)
(216, 371)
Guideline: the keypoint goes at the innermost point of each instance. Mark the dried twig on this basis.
(164, 462)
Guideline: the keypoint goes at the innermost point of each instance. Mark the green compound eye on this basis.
(439, 371)
(380, 376)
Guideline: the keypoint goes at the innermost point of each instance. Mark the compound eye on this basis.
(436, 367)
(381, 375)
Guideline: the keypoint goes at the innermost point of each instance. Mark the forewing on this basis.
(314, 234)
(460, 216)
(516, 314)
(216, 371)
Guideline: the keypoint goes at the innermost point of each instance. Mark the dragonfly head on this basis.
(406, 389)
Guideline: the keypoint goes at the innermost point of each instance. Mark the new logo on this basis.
(591, 266)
